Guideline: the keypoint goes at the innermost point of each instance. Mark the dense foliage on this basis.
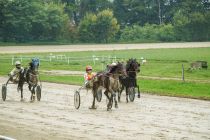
(103, 21)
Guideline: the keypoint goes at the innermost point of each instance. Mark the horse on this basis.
(132, 68)
(110, 82)
(30, 76)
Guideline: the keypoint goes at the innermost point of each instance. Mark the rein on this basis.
(130, 71)
(35, 75)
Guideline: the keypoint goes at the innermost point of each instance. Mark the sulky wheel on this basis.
(131, 93)
(77, 99)
(99, 95)
(38, 92)
(4, 92)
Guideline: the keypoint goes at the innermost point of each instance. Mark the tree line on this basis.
(104, 21)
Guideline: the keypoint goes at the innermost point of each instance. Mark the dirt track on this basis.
(71, 48)
(151, 117)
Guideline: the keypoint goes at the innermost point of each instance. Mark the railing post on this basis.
(183, 73)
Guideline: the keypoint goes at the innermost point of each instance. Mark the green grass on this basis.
(72, 80)
(176, 88)
(160, 63)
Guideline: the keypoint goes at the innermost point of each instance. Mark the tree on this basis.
(87, 28)
(98, 28)
(15, 23)
(106, 26)
(26, 20)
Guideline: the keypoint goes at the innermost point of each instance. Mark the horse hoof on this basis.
(108, 109)
(116, 106)
(22, 100)
(138, 95)
(92, 107)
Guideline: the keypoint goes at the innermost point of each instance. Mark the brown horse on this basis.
(30, 75)
(110, 82)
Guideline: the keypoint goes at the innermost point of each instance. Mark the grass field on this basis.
(165, 63)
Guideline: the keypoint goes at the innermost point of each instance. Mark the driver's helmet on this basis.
(113, 64)
(88, 68)
(17, 64)
(34, 62)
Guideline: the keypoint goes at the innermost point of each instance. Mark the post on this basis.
(183, 72)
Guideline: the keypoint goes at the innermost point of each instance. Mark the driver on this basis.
(88, 76)
(15, 73)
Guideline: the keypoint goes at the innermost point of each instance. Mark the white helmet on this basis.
(17, 63)
(114, 64)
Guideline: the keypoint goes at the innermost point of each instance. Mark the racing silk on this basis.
(16, 71)
(88, 76)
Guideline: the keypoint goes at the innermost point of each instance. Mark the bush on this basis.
(166, 33)
(148, 33)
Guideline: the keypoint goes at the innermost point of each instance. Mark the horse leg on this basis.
(29, 87)
(94, 98)
(33, 94)
(126, 90)
(106, 93)
(138, 91)
(113, 95)
(120, 92)
(20, 88)
(21, 94)
(115, 100)
(109, 103)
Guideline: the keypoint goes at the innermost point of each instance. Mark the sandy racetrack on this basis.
(151, 117)
(99, 47)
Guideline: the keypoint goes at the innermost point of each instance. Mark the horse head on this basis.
(133, 66)
(120, 69)
(34, 65)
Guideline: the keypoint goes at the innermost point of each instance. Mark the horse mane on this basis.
(114, 68)
(129, 62)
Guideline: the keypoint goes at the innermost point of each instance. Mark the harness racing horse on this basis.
(132, 68)
(30, 76)
(110, 82)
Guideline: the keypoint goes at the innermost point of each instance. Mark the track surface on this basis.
(97, 47)
(150, 117)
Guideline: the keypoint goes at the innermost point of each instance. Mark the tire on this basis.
(77, 99)
(4, 92)
(131, 93)
(99, 95)
(38, 93)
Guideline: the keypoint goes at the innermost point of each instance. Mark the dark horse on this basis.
(30, 75)
(132, 68)
(110, 82)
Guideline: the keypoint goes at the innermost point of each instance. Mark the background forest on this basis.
(104, 21)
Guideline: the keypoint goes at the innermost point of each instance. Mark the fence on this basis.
(66, 59)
